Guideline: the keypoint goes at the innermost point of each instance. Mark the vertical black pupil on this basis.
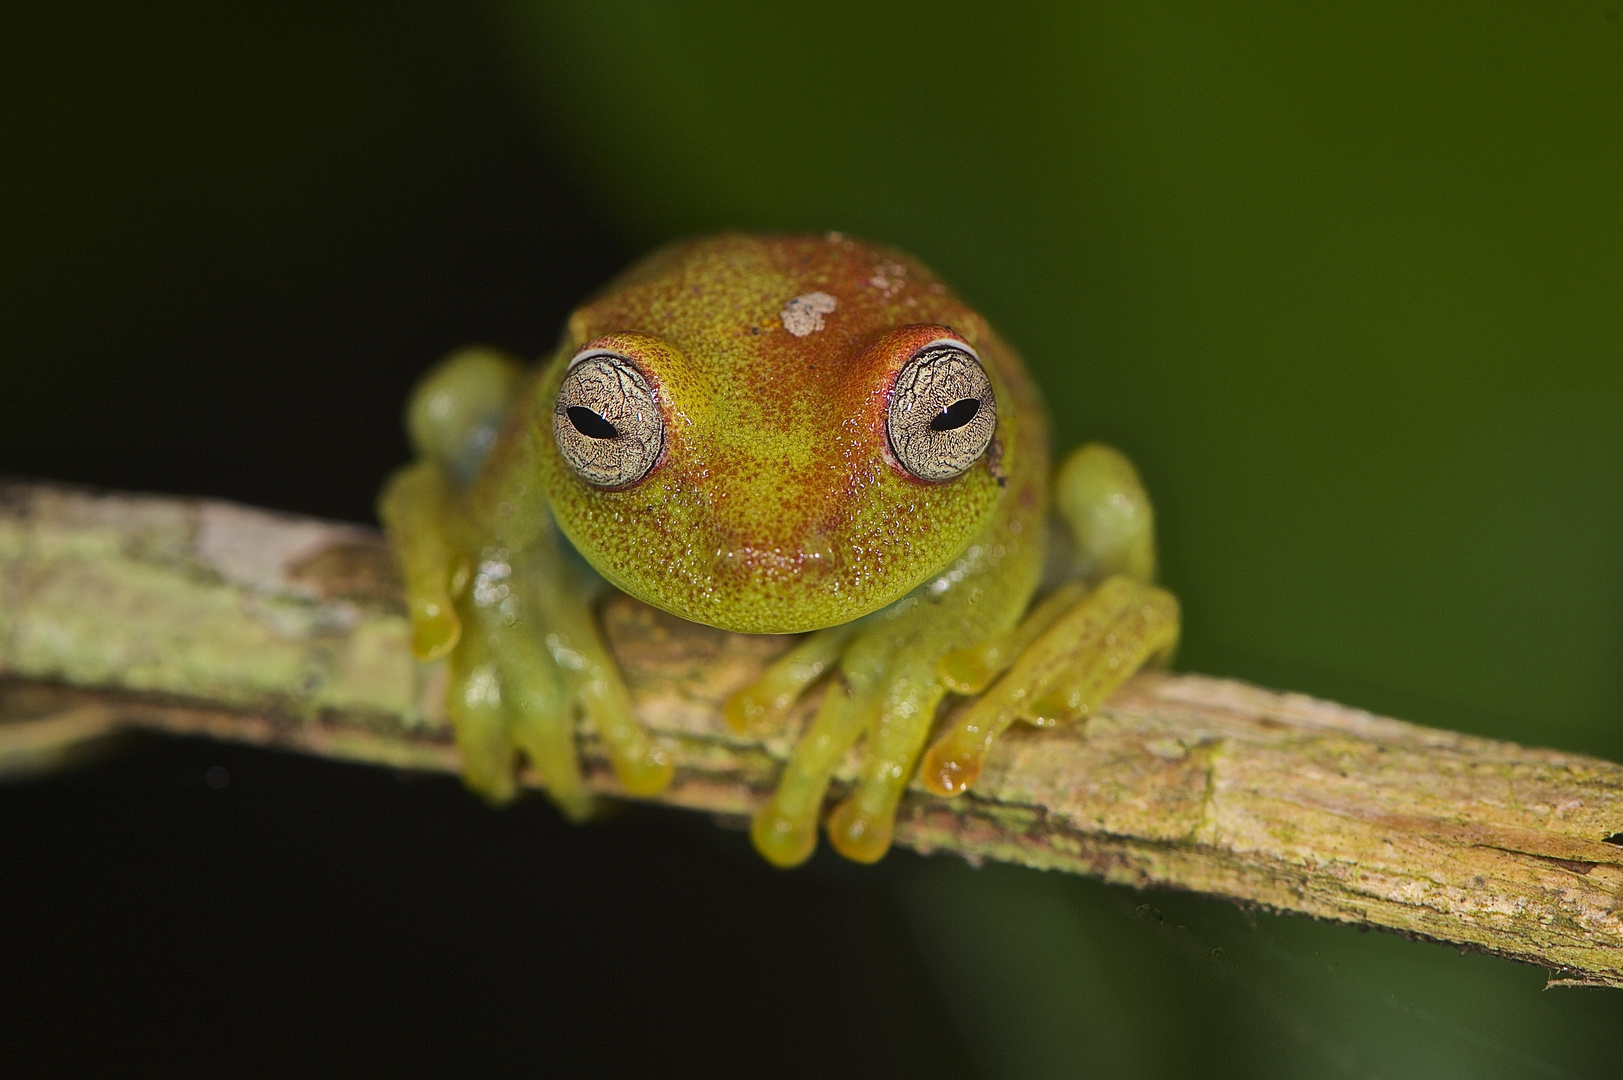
(593, 426)
(955, 415)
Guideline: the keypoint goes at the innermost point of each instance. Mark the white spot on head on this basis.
(804, 314)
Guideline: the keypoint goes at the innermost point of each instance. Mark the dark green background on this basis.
(1347, 284)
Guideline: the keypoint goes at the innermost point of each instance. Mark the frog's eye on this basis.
(606, 422)
(942, 412)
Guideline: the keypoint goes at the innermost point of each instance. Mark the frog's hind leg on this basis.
(452, 418)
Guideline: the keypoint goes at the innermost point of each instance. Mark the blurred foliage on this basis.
(1346, 281)
(232, 234)
(1345, 284)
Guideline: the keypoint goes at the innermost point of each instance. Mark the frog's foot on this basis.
(524, 658)
(764, 704)
(785, 830)
(887, 690)
(516, 627)
(1072, 662)
(519, 677)
(452, 419)
(506, 696)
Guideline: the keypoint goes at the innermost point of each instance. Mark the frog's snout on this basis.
(773, 520)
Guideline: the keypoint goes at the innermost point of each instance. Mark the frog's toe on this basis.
(506, 697)
(763, 705)
(574, 650)
(549, 742)
(859, 833)
(543, 726)
(414, 509)
(861, 826)
(785, 840)
(483, 736)
(785, 829)
(435, 628)
(643, 765)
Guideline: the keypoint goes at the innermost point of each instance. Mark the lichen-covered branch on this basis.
(207, 618)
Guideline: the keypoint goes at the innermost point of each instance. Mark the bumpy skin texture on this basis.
(776, 505)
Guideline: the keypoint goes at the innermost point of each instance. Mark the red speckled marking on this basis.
(776, 506)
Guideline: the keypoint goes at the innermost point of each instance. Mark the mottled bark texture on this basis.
(206, 618)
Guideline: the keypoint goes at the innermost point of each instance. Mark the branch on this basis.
(207, 618)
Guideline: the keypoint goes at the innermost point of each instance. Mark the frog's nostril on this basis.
(590, 424)
(956, 415)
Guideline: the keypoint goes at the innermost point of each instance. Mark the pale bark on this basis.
(207, 618)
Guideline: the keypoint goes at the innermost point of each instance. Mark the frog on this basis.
(804, 435)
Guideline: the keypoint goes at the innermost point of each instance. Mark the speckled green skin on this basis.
(777, 506)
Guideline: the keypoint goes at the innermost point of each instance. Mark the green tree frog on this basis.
(772, 435)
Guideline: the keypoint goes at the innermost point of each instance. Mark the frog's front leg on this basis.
(888, 686)
(1070, 653)
(490, 590)
(959, 634)
(1068, 670)
(530, 656)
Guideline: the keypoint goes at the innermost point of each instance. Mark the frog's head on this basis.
(776, 434)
